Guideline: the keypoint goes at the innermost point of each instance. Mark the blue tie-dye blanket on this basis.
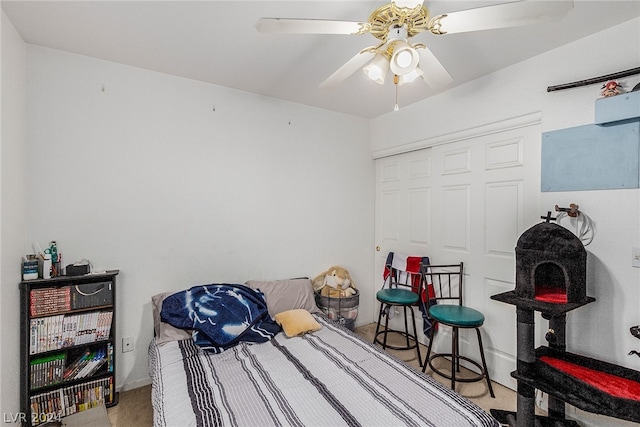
(221, 315)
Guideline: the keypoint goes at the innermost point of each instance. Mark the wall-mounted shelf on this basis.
(625, 106)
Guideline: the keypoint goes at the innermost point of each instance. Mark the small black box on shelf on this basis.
(76, 270)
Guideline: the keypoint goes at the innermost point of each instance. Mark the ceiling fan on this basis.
(395, 23)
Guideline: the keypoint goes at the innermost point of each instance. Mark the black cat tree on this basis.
(551, 278)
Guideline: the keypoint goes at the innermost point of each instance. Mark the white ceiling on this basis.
(216, 42)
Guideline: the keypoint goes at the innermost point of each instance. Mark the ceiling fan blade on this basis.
(500, 16)
(349, 67)
(310, 26)
(435, 75)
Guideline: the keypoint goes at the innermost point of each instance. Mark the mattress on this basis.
(327, 378)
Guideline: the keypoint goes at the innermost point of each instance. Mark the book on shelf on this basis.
(69, 400)
(48, 370)
(110, 357)
(66, 330)
(45, 301)
(86, 365)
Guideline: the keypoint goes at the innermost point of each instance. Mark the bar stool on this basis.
(446, 308)
(402, 288)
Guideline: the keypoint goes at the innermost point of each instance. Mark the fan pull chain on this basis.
(395, 82)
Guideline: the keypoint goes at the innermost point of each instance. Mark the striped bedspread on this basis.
(328, 378)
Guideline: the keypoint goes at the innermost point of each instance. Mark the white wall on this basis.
(12, 210)
(176, 183)
(601, 329)
(145, 177)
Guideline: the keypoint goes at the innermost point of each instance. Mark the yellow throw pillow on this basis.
(297, 322)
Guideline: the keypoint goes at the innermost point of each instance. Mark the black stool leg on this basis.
(484, 363)
(386, 328)
(415, 335)
(406, 327)
(375, 337)
(408, 336)
(454, 357)
(426, 358)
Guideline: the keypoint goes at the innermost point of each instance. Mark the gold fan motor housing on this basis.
(390, 15)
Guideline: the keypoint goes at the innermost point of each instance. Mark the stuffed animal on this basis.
(611, 88)
(334, 283)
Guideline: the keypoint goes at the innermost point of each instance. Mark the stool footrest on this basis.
(396, 347)
(478, 376)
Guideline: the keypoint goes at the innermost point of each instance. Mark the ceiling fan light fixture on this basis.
(410, 77)
(396, 22)
(377, 68)
(404, 59)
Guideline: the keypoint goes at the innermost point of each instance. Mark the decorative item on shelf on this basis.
(611, 88)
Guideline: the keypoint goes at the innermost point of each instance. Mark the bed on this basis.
(326, 377)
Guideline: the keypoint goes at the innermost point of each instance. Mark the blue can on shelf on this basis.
(30, 268)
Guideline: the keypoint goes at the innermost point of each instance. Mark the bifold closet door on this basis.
(466, 199)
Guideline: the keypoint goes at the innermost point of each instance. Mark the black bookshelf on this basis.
(67, 345)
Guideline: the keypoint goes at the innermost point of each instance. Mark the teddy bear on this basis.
(334, 283)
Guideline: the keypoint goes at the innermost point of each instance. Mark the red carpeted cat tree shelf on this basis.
(551, 279)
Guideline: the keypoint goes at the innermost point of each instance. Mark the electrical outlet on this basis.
(635, 257)
(127, 344)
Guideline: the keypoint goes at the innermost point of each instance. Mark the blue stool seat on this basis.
(456, 315)
(397, 296)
